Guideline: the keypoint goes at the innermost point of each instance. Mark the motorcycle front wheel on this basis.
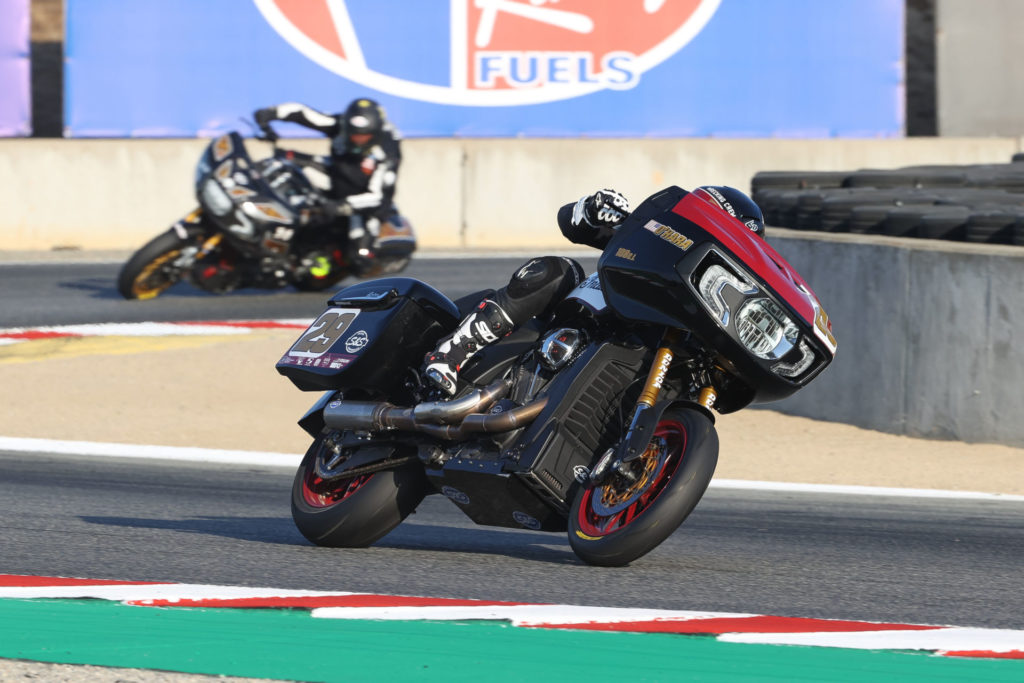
(615, 523)
(353, 512)
(150, 271)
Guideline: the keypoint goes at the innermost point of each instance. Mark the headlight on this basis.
(797, 367)
(215, 198)
(714, 280)
(765, 329)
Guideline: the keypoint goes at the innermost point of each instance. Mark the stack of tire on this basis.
(974, 203)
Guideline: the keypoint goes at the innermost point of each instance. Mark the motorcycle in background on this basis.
(597, 421)
(249, 231)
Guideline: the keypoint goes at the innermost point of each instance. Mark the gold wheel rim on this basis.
(143, 286)
(611, 497)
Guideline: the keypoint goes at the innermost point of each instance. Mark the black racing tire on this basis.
(147, 273)
(354, 512)
(673, 486)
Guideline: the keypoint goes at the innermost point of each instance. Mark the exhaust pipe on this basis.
(382, 416)
(477, 423)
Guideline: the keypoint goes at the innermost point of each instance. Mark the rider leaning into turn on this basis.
(540, 284)
(363, 167)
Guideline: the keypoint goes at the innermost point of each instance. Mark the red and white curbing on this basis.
(14, 335)
(950, 641)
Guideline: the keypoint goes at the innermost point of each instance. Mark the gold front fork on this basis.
(656, 377)
(209, 245)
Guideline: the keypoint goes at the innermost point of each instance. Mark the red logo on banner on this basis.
(509, 52)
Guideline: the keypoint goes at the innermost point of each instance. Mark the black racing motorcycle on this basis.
(598, 421)
(249, 231)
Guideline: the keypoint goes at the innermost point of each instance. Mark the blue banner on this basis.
(15, 114)
(493, 68)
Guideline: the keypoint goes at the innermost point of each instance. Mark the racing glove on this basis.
(603, 209)
(264, 116)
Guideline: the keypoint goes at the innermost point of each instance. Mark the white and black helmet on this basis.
(736, 204)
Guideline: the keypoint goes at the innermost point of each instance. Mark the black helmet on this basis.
(363, 118)
(736, 204)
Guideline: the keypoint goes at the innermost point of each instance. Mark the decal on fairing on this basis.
(589, 293)
(272, 211)
(241, 192)
(357, 342)
(822, 324)
(669, 235)
(323, 334)
(222, 147)
(223, 171)
(625, 254)
(455, 495)
(525, 520)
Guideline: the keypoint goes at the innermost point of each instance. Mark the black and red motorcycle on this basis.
(598, 421)
(249, 231)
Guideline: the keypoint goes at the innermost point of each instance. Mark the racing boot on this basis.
(484, 326)
(361, 237)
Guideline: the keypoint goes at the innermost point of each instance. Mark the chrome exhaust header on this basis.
(437, 418)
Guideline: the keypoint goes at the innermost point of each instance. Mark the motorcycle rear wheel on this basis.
(147, 273)
(353, 512)
(613, 524)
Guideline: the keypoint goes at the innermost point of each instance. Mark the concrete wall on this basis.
(929, 335)
(979, 67)
(116, 194)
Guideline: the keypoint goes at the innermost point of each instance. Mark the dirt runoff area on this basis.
(223, 392)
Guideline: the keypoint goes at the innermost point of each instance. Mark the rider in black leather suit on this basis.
(363, 167)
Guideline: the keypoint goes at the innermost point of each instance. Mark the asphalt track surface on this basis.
(33, 294)
(794, 554)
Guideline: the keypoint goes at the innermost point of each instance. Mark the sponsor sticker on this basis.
(669, 235)
(589, 293)
(455, 495)
(357, 341)
(525, 520)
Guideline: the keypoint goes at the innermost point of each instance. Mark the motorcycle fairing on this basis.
(227, 164)
(649, 272)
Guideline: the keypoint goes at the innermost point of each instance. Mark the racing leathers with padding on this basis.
(363, 178)
(534, 290)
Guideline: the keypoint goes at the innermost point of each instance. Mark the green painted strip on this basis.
(290, 644)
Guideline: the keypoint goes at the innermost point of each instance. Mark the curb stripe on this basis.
(316, 602)
(16, 580)
(947, 641)
(761, 624)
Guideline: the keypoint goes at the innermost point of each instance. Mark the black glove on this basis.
(337, 208)
(264, 116)
(604, 208)
(327, 210)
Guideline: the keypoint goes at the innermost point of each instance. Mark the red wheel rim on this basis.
(673, 436)
(323, 494)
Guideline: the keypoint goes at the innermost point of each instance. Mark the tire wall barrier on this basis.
(929, 335)
(479, 193)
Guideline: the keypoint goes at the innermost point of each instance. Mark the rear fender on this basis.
(313, 421)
